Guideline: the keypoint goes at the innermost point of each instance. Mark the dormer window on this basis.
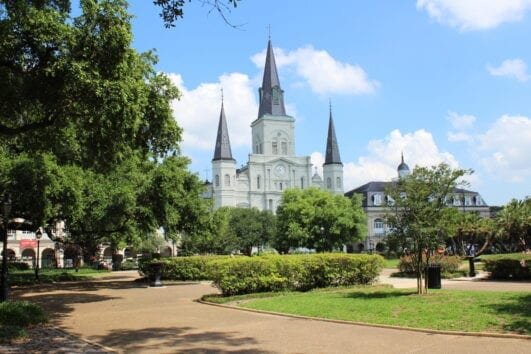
(377, 199)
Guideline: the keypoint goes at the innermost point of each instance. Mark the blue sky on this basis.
(440, 80)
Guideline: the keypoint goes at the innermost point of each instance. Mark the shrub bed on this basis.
(180, 268)
(15, 316)
(18, 266)
(294, 272)
(508, 268)
(449, 266)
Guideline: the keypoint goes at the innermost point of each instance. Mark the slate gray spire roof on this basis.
(403, 166)
(271, 95)
(222, 150)
(332, 149)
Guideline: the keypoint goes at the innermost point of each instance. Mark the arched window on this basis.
(329, 183)
(338, 182)
(258, 182)
(217, 180)
(280, 186)
(227, 180)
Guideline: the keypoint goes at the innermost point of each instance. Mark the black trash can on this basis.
(433, 276)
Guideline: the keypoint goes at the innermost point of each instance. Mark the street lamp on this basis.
(38, 236)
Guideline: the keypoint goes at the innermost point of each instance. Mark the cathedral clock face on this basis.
(280, 170)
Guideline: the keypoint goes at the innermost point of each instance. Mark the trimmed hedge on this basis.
(20, 313)
(293, 272)
(18, 266)
(181, 268)
(509, 268)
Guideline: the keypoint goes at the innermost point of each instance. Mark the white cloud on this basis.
(197, 112)
(512, 68)
(455, 137)
(470, 15)
(383, 157)
(323, 73)
(460, 122)
(506, 148)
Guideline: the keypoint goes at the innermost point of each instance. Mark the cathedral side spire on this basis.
(271, 95)
(332, 148)
(222, 150)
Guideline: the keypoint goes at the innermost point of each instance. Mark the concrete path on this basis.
(122, 314)
(479, 282)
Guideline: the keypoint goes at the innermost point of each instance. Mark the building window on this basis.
(274, 146)
(258, 182)
(378, 226)
(390, 200)
(457, 201)
(377, 199)
(280, 186)
(270, 204)
(227, 180)
(329, 183)
(468, 202)
(338, 182)
(284, 146)
(217, 180)
(302, 182)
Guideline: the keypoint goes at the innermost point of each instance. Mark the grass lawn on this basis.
(20, 277)
(470, 311)
(391, 263)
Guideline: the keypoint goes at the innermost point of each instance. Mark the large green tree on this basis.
(513, 225)
(319, 220)
(87, 132)
(417, 217)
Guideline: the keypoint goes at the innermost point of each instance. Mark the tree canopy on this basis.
(316, 219)
(88, 134)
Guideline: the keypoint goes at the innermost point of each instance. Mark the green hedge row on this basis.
(294, 272)
(244, 275)
(20, 313)
(181, 268)
(510, 268)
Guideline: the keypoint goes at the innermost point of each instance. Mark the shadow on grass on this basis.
(520, 309)
(379, 294)
(178, 339)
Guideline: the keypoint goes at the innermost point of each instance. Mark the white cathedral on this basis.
(273, 165)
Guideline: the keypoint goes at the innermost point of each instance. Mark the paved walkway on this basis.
(125, 315)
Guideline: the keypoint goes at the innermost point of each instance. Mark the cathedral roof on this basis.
(222, 150)
(332, 148)
(271, 95)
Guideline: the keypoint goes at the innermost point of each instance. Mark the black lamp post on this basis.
(322, 235)
(38, 236)
(6, 211)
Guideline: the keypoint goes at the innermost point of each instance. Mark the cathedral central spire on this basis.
(271, 95)
(332, 148)
(222, 150)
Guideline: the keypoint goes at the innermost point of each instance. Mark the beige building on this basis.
(375, 201)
